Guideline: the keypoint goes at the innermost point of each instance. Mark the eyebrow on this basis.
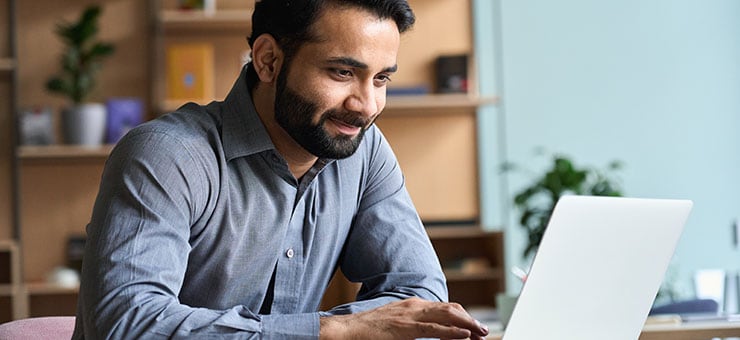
(347, 61)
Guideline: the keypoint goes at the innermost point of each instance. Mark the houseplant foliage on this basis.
(82, 122)
(81, 58)
(537, 201)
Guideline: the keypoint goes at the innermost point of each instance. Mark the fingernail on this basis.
(482, 327)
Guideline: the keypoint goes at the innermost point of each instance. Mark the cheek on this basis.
(327, 96)
(380, 99)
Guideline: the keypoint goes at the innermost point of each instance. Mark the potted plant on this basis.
(537, 201)
(83, 122)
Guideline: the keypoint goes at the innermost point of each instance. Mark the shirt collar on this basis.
(243, 131)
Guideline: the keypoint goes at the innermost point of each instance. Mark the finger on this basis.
(435, 330)
(454, 315)
(477, 337)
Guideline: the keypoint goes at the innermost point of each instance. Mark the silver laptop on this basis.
(598, 268)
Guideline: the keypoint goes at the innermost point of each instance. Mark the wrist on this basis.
(332, 327)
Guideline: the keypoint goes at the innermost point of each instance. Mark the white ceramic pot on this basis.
(84, 124)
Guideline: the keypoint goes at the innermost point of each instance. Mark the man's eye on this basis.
(382, 80)
(342, 73)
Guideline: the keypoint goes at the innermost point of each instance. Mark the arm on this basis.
(153, 189)
(408, 319)
(403, 288)
(388, 249)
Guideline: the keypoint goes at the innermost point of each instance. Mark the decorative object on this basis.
(452, 73)
(190, 71)
(207, 5)
(83, 122)
(64, 277)
(537, 201)
(123, 115)
(37, 126)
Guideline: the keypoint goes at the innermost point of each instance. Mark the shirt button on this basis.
(290, 253)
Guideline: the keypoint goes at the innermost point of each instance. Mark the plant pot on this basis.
(84, 124)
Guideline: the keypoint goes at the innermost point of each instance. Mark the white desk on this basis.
(685, 331)
(697, 330)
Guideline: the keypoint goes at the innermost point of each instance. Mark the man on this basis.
(229, 220)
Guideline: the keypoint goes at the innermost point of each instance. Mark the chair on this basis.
(694, 306)
(52, 328)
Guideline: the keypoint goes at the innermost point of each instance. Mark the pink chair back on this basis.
(51, 328)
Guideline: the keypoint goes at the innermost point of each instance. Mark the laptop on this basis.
(598, 268)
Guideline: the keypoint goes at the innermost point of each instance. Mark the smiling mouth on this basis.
(345, 128)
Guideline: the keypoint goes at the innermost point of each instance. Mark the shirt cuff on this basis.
(290, 326)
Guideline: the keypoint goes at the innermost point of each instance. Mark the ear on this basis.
(267, 57)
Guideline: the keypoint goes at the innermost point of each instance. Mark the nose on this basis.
(364, 99)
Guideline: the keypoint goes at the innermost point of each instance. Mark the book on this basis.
(123, 115)
(190, 72)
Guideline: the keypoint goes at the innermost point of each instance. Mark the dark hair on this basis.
(290, 21)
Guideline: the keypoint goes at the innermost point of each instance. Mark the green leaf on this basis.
(101, 50)
(56, 84)
(537, 201)
(80, 60)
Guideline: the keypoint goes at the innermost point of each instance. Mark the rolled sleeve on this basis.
(290, 326)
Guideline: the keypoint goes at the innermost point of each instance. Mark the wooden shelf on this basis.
(203, 20)
(7, 289)
(8, 245)
(437, 102)
(472, 260)
(7, 64)
(62, 151)
(417, 104)
(459, 275)
(43, 288)
(454, 232)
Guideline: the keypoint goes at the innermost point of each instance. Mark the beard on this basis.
(295, 113)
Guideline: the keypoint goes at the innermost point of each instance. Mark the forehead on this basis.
(356, 33)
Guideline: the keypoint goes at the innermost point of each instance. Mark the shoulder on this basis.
(376, 158)
(374, 145)
(186, 135)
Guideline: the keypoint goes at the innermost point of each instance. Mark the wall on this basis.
(654, 84)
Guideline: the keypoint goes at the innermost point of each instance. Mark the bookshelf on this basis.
(433, 135)
(7, 64)
(62, 180)
(223, 19)
(11, 300)
(11, 287)
(63, 152)
(473, 262)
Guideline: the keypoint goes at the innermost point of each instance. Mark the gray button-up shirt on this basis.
(198, 212)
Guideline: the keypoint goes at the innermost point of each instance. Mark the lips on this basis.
(345, 128)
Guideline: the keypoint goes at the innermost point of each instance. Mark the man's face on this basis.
(333, 89)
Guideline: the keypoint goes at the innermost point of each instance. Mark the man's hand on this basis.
(408, 319)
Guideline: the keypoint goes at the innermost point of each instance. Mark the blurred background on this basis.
(653, 85)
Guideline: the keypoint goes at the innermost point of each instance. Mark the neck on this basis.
(299, 160)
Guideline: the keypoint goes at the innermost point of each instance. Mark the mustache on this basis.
(350, 118)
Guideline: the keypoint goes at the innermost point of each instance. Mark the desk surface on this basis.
(699, 330)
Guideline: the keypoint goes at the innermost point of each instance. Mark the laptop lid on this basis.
(598, 268)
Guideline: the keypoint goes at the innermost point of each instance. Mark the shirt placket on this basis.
(290, 265)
